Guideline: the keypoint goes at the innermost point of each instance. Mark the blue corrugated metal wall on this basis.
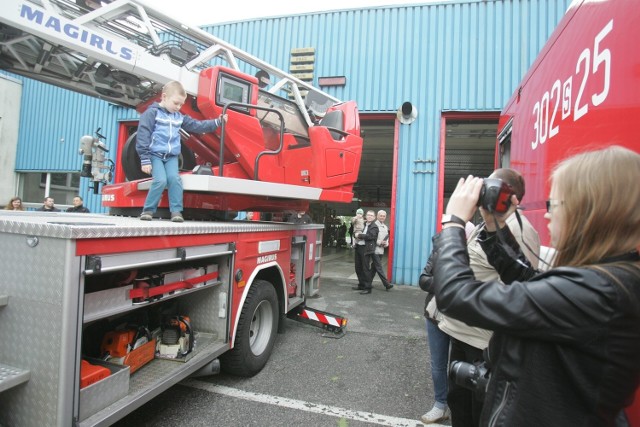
(463, 56)
(52, 121)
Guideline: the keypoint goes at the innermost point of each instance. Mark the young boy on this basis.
(158, 145)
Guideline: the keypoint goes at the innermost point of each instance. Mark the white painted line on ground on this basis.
(301, 405)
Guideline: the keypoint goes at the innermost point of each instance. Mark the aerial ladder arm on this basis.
(125, 35)
(124, 52)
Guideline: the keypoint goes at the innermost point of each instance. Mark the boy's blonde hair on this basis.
(174, 88)
(601, 202)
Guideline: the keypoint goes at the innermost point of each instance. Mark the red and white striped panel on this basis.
(320, 317)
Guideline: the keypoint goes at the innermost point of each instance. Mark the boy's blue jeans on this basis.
(439, 351)
(165, 174)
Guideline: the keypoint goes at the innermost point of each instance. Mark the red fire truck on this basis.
(581, 93)
(101, 313)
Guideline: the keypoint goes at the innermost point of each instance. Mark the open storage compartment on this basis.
(193, 284)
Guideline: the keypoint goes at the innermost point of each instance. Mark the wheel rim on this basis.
(260, 329)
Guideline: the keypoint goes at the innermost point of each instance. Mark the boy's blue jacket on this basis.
(158, 132)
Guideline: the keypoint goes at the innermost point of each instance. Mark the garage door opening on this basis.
(373, 190)
(375, 179)
(469, 148)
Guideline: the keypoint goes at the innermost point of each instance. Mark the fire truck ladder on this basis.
(327, 321)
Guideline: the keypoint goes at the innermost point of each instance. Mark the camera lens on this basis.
(474, 377)
(462, 373)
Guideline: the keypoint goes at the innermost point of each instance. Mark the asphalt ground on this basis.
(376, 374)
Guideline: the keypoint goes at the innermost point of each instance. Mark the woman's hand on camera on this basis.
(464, 200)
(491, 218)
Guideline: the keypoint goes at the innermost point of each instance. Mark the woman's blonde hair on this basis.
(601, 203)
(9, 206)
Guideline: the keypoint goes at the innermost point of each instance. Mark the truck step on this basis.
(11, 377)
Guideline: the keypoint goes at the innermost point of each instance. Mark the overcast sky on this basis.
(201, 12)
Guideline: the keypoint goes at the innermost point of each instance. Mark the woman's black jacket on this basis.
(566, 347)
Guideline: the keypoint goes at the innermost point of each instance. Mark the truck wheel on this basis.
(256, 332)
(131, 161)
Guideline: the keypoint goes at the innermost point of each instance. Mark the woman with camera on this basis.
(566, 342)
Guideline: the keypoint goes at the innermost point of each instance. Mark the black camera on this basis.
(472, 376)
(495, 195)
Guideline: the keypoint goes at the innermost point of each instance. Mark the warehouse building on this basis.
(429, 80)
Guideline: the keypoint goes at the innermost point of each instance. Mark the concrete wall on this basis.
(10, 95)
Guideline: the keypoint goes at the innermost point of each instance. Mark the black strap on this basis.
(508, 249)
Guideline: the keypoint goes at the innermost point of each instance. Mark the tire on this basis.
(131, 161)
(256, 332)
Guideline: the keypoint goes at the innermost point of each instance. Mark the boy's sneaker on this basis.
(176, 217)
(435, 414)
(146, 216)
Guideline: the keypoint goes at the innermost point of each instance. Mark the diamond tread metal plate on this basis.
(91, 226)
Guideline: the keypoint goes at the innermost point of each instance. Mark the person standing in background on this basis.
(48, 205)
(301, 217)
(381, 243)
(365, 247)
(15, 204)
(78, 206)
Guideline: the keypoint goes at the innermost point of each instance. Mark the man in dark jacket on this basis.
(78, 206)
(48, 205)
(365, 247)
